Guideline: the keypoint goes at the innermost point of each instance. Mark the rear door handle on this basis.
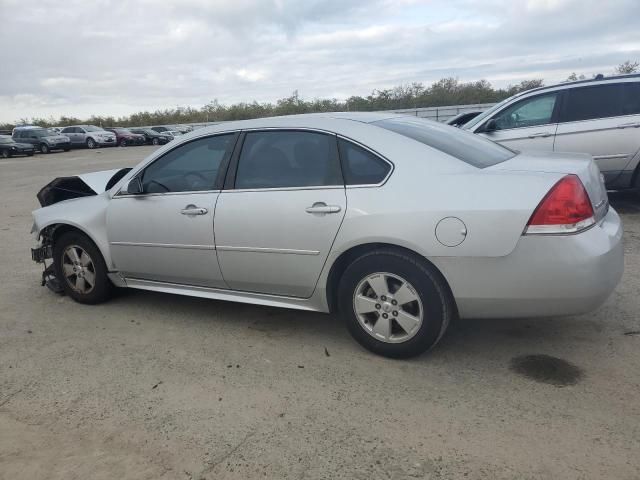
(321, 207)
(193, 210)
(540, 135)
(630, 125)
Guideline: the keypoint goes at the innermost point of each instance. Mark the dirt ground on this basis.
(152, 386)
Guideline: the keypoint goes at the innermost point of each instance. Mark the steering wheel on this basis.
(166, 189)
(200, 178)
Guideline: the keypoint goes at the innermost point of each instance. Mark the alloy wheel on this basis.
(78, 269)
(388, 307)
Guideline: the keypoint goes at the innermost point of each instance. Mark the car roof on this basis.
(597, 80)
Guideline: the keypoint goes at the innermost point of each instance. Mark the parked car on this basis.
(89, 136)
(56, 129)
(600, 117)
(462, 118)
(126, 137)
(168, 130)
(397, 223)
(182, 128)
(42, 139)
(10, 148)
(152, 137)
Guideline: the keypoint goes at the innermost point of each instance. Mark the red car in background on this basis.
(126, 137)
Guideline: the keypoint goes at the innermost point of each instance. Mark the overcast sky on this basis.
(80, 57)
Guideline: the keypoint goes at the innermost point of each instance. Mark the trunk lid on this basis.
(578, 164)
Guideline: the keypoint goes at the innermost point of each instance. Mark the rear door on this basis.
(527, 125)
(601, 120)
(277, 220)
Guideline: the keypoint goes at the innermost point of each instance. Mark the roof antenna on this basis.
(599, 77)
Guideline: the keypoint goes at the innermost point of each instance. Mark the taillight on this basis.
(565, 209)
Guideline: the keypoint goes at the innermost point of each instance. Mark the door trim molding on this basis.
(164, 245)
(289, 251)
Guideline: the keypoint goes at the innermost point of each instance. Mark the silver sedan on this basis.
(397, 223)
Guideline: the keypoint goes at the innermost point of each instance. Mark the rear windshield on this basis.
(468, 147)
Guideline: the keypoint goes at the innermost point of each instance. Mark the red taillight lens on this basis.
(565, 209)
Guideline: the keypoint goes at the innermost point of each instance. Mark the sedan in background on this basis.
(396, 223)
(125, 137)
(152, 137)
(10, 148)
(168, 130)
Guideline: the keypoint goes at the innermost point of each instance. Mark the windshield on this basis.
(6, 140)
(465, 146)
(41, 132)
(475, 121)
(91, 128)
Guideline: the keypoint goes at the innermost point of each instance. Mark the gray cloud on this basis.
(117, 57)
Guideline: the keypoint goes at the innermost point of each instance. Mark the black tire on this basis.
(91, 143)
(155, 141)
(67, 149)
(123, 142)
(44, 148)
(30, 154)
(102, 289)
(437, 303)
(6, 154)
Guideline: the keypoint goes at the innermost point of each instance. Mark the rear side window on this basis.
(465, 146)
(281, 159)
(188, 168)
(360, 166)
(599, 101)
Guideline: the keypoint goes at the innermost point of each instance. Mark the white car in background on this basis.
(89, 136)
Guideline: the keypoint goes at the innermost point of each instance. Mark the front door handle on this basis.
(193, 210)
(540, 135)
(629, 125)
(321, 207)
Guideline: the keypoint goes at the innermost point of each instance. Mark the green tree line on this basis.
(447, 91)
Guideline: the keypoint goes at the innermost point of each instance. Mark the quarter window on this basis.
(360, 166)
(190, 167)
(527, 113)
(600, 101)
(281, 159)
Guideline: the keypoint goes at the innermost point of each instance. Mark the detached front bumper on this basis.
(544, 275)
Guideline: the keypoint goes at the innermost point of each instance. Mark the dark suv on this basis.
(42, 139)
(151, 136)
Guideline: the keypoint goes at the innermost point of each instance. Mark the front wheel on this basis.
(393, 304)
(155, 141)
(91, 143)
(123, 143)
(6, 154)
(44, 148)
(81, 269)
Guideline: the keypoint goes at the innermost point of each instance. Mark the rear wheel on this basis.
(91, 143)
(6, 154)
(44, 148)
(394, 304)
(81, 269)
(67, 149)
(123, 142)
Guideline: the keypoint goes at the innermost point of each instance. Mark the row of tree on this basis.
(448, 91)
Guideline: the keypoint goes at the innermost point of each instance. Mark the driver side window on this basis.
(527, 113)
(190, 167)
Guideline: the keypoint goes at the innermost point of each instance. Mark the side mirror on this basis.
(135, 186)
(490, 126)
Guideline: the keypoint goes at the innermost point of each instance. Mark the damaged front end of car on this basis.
(56, 216)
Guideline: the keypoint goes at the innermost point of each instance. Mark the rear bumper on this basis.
(543, 276)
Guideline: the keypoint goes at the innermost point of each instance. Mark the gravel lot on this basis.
(155, 386)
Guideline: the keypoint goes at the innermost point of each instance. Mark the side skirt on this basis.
(226, 295)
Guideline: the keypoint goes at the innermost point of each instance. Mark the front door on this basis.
(526, 125)
(275, 225)
(166, 232)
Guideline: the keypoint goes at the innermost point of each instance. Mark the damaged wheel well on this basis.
(51, 233)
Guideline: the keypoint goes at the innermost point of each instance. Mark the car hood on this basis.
(83, 185)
